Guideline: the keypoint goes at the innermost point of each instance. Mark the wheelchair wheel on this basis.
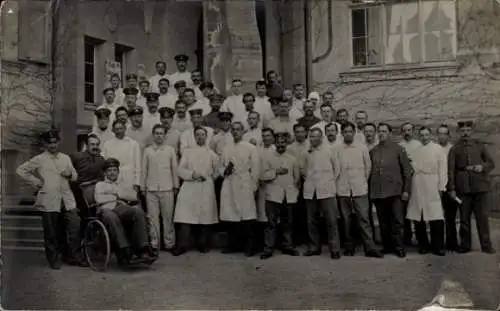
(96, 245)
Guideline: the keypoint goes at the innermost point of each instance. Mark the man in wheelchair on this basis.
(119, 208)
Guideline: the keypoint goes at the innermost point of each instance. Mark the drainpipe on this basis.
(54, 12)
(330, 35)
(308, 44)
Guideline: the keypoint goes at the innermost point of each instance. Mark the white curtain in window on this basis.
(438, 19)
(375, 36)
(403, 41)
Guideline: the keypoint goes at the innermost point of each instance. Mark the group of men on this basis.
(255, 162)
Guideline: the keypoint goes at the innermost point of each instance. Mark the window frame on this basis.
(384, 66)
(92, 43)
(124, 51)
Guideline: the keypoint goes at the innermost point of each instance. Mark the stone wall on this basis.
(466, 89)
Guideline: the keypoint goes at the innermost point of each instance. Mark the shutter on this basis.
(35, 31)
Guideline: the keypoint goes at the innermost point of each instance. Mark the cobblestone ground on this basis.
(216, 281)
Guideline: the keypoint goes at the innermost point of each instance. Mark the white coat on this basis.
(430, 177)
(187, 140)
(238, 189)
(196, 203)
(264, 153)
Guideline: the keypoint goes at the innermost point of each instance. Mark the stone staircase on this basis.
(21, 226)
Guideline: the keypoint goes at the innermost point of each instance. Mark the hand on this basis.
(176, 191)
(478, 168)
(66, 174)
(253, 142)
(282, 171)
(201, 179)
(405, 196)
(196, 176)
(137, 188)
(453, 194)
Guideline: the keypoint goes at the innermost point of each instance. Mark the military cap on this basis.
(152, 97)
(102, 113)
(107, 89)
(181, 58)
(111, 162)
(196, 112)
(225, 116)
(467, 123)
(130, 91)
(52, 134)
(180, 83)
(137, 110)
(131, 76)
(166, 112)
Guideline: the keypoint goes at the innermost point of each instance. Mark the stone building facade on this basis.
(360, 50)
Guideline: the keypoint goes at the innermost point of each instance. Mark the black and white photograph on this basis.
(250, 155)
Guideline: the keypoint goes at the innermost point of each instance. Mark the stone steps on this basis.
(21, 231)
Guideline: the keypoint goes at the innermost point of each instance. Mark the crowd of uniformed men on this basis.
(269, 165)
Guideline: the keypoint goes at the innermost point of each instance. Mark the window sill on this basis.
(403, 72)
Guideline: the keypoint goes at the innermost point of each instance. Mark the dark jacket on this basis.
(463, 154)
(391, 171)
(88, 167)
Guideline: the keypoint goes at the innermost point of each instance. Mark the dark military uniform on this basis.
(472, 189)
(391, 176)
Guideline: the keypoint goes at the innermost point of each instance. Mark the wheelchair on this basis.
(96, 242)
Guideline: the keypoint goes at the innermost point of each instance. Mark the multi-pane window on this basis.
(122, 53)
(89, 69)
(403, 32)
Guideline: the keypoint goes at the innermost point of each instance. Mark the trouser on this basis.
(328, 207)
(282, 214)
(299, 225)
(241, 235)
(407, 228)
(130, 217)
(450, 215)
(437, 235)
(371, 219)
(474, 203)
(184, 235)
(390, 212)
(54, 241)
(361, 208)
(84, 197)
(221, 226)
(161, 206)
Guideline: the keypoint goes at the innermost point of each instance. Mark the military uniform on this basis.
(139, 134)
(50, 173)
(103, 133)
(472, 187)
(151, 114)
(178, 75)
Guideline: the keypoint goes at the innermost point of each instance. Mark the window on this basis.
(89, 63)
(121, 55)
(400, 32)
(35, 31)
